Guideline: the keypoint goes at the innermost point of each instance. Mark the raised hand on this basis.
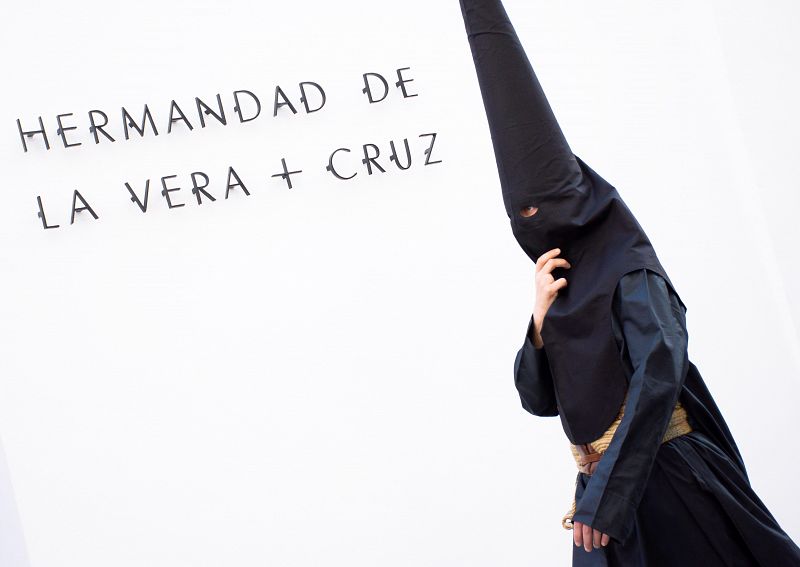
(546, 288)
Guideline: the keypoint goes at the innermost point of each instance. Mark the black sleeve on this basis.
(653, 325)
(533, 379)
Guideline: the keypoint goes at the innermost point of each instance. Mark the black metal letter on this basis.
(127, 120)
(401, 84)
(333, 169)
(304, 98)
(172, 108)
(394, 157)
(62, 129)
(279, 91)
(135, 198)
(94, 128)
(75, 196)
(165, 191)
(430, 149)
(371, 159)
(238, 107)
(368, 91)
(32, 133)
(197, 189)
(40, 214)
(206, 110)
(228, 187)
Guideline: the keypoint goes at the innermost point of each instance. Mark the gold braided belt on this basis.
(588, 455)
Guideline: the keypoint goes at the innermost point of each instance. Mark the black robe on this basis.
(682, 503)
(619, 326)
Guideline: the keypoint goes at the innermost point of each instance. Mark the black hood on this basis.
(535, 163)
(578, 212)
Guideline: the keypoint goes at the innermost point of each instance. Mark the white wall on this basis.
(322, 375)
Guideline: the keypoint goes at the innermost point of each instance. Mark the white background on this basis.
(323, 375)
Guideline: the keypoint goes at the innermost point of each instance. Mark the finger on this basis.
(558, 284)
(546, 256)
(554, 263)
(577, 534)
(605, 539)
(587, 537)
(596, 535)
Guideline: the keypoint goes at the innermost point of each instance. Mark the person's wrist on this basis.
(538, 319)
(537, 330)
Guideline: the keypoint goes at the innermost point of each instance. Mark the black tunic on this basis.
(681, 503)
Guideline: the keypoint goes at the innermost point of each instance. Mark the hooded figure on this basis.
(615, 335)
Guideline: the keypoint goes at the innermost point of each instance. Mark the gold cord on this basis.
(678, 425)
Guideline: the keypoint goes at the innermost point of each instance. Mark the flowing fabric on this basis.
(682, 503)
